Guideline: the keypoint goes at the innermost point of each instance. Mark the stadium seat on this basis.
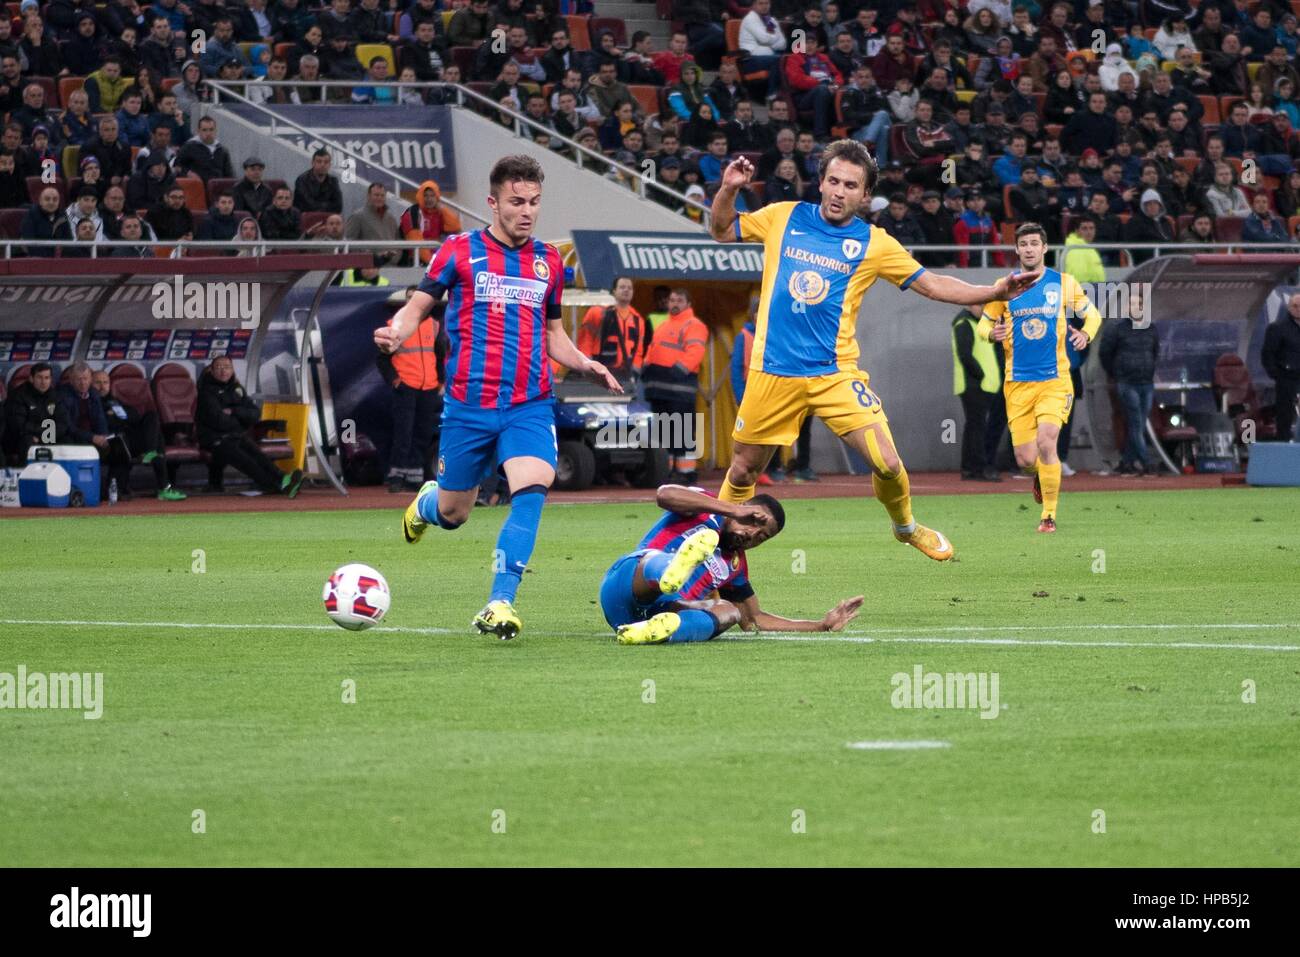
(217, 186)
(11, 223)
(69, 85)
(615, 25)
(170, 82)
(1234, 391)
(196, 197)
(1227, 229)
(1184, 221)
(647, 97)
(126, 370)
(36, 185)
(464, 58)
(310, 220)
(283, 50)
(71, 161)
(1211, 106)
(1182, 437)
(19, 376)
(1291, 223)
(579, 35)
(368, 51)
(446, 19)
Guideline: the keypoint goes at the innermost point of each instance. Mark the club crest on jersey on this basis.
(808, 287)
(541, 270)
(1051, 296)
(851, 248)
(1033, 328)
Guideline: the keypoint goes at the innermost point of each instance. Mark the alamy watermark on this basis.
(37, 690)
(224, 301)
(656, 430)
(951, 690)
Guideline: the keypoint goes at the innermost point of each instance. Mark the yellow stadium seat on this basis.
(368, 51)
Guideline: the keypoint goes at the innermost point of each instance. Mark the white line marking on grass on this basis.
(1140, 627)
(1013, 642)
(897, 745)
(226, 626)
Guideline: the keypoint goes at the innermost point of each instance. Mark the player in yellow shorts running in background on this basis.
(1032, 327)
(819, 261)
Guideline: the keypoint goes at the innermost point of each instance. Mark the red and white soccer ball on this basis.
(356, 597)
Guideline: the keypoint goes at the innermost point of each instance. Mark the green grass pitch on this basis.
(463, 750)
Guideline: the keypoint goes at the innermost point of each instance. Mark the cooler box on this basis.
(1274, 463)
(44, 485)
(81, 462)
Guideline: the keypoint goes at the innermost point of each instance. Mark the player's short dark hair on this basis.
(773, 506)
(42, 367)
(851, 151)
(1030, 229)
(320, 152)
(681, 291)
(618, 279)
(515, 169)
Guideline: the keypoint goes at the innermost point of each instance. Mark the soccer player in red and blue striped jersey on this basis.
(503, 321)
(664, 591)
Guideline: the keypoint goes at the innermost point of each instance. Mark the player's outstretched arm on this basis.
(753, 618)
(943, 288)
(390, 338)
(685, 501)
(722, 213)
(561, 348)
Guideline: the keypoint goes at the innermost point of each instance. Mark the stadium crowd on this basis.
(1106, 120)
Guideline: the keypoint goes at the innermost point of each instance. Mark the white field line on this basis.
(919, 636)
(226, 626)
(897, 745)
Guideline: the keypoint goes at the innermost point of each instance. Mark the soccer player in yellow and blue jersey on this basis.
(819, 261)
(1032, 328)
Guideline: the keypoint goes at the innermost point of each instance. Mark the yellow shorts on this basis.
(775, 406)
(1029, 403)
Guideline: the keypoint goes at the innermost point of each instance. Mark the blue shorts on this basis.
(474, 441)
(617, 599)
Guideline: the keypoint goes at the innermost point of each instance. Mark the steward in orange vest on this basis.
(616, 335)
(415, 374)
(671, 372)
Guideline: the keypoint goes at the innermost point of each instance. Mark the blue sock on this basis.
(696, 626)
(516, 541)
(427, 507)
(656, 563)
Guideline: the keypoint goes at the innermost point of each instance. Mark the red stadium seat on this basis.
(647, 97)
(36, 186)
(312, 219)
(216, 187)
(19, 376)
(464, 58)
(1234, 391)
(1227, 229)
(579, 35)
(11, 223)
(615, 25)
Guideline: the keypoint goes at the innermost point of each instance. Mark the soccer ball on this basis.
(356, 597)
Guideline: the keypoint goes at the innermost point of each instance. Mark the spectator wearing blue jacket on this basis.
(132, 124)
(1007, 166)
(1261, 226)
(714, 161)
(170, 11)
(89, 425)
(222, 47)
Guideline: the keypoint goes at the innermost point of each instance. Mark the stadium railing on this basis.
(275, 119)
(639, 181)
(13, 248)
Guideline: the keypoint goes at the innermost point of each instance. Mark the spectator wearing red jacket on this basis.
(891, 63)
(669, 62)
(814, 79)
(976, 228)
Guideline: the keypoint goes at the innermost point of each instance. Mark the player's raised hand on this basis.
(738, 172)
(1078, 338)
(598, 371)
(842, 614)
(1008, 287)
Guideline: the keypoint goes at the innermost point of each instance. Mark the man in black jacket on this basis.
(171, 219)
(1281, 358)
(224, 414)
(280, 220)
(34, 415)
(975, 382)
(1128, 354)
(703, 22)
(203, 156)
(133, 433)
(113, 154)
(316, 191)
(251, 193)
(45, 219)
(86, 422)
(936, 222)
